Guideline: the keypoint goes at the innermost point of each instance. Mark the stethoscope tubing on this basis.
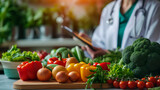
(141, 9)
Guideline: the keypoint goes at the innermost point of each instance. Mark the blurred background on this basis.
(36, 24)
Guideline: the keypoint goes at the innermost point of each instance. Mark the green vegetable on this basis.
(15, 55)
(64, 52)
(44, 61)
(112, 57)
(154, 88)
(78, 53)
(53, 51)
(51, 66)
(99, 76)
(119, 71)
(143, 57)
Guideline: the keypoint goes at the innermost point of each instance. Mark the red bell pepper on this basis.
(28, 70)
(51, 60)
(55, 60)
(104, 65)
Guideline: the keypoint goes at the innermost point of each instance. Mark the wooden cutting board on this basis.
(53, 85)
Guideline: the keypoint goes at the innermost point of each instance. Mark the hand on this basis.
(94, 54)
(85, 36)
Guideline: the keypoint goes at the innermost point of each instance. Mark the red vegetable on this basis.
(132, 84)
(28, 70)
(59, 63)
(141, 85)
(123, 84)
(152, 79)
(116, 84)
(42, 54)
(110, 81)
(149, 85)
(104, 65)
(55, 60)
(158, 82)
(51, 60)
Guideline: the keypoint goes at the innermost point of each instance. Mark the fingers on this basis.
(83, 48)
(81, 34)
(96, 53)
(91, 52)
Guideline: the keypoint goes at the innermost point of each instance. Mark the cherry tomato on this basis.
(141, 85)
(149, 85)
(123, 84)
(158, 82)
(116, 84)
(136, 81)
(143, 79)
(152, 79)
(110, 81)
(132, 84)
(156, 77)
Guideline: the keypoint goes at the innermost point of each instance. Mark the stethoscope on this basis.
(141, 9)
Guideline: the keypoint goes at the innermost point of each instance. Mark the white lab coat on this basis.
(105, 36)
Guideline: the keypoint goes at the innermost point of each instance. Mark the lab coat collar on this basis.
(130, 25)
(116, 23)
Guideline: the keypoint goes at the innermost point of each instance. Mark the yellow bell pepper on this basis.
(85, 71)
(75, 67)
(71, 67)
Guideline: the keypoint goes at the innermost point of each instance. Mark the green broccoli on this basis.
(153, 62)
(140, 71)
(132, 65)
(155, 47)
(126, 54)
(143, 57)
(141, 45)
(138, 58)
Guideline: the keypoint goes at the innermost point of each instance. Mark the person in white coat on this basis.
(124, 21)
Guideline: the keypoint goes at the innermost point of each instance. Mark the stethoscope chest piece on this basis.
(110, 21)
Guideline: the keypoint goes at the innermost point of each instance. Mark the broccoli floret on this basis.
(138, 58)
(140, 71)
(141, 45)
(131, 66)
(126, 54)
(155, 47)
(153, 62)
(128, 49)
(136, 42)
(126, 57)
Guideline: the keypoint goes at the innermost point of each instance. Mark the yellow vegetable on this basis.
(85, 71)
(75, 67)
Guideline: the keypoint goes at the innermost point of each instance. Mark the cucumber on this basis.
(60, 50)
(51, 66)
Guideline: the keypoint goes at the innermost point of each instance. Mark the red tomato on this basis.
(149, 85)
(132, 84)
(116, 84)
(152, 79)
(158, 82)
(156, 77)
(143, 79)
(123, 84)
(136, 81)
(141, 85)
(110, 81)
